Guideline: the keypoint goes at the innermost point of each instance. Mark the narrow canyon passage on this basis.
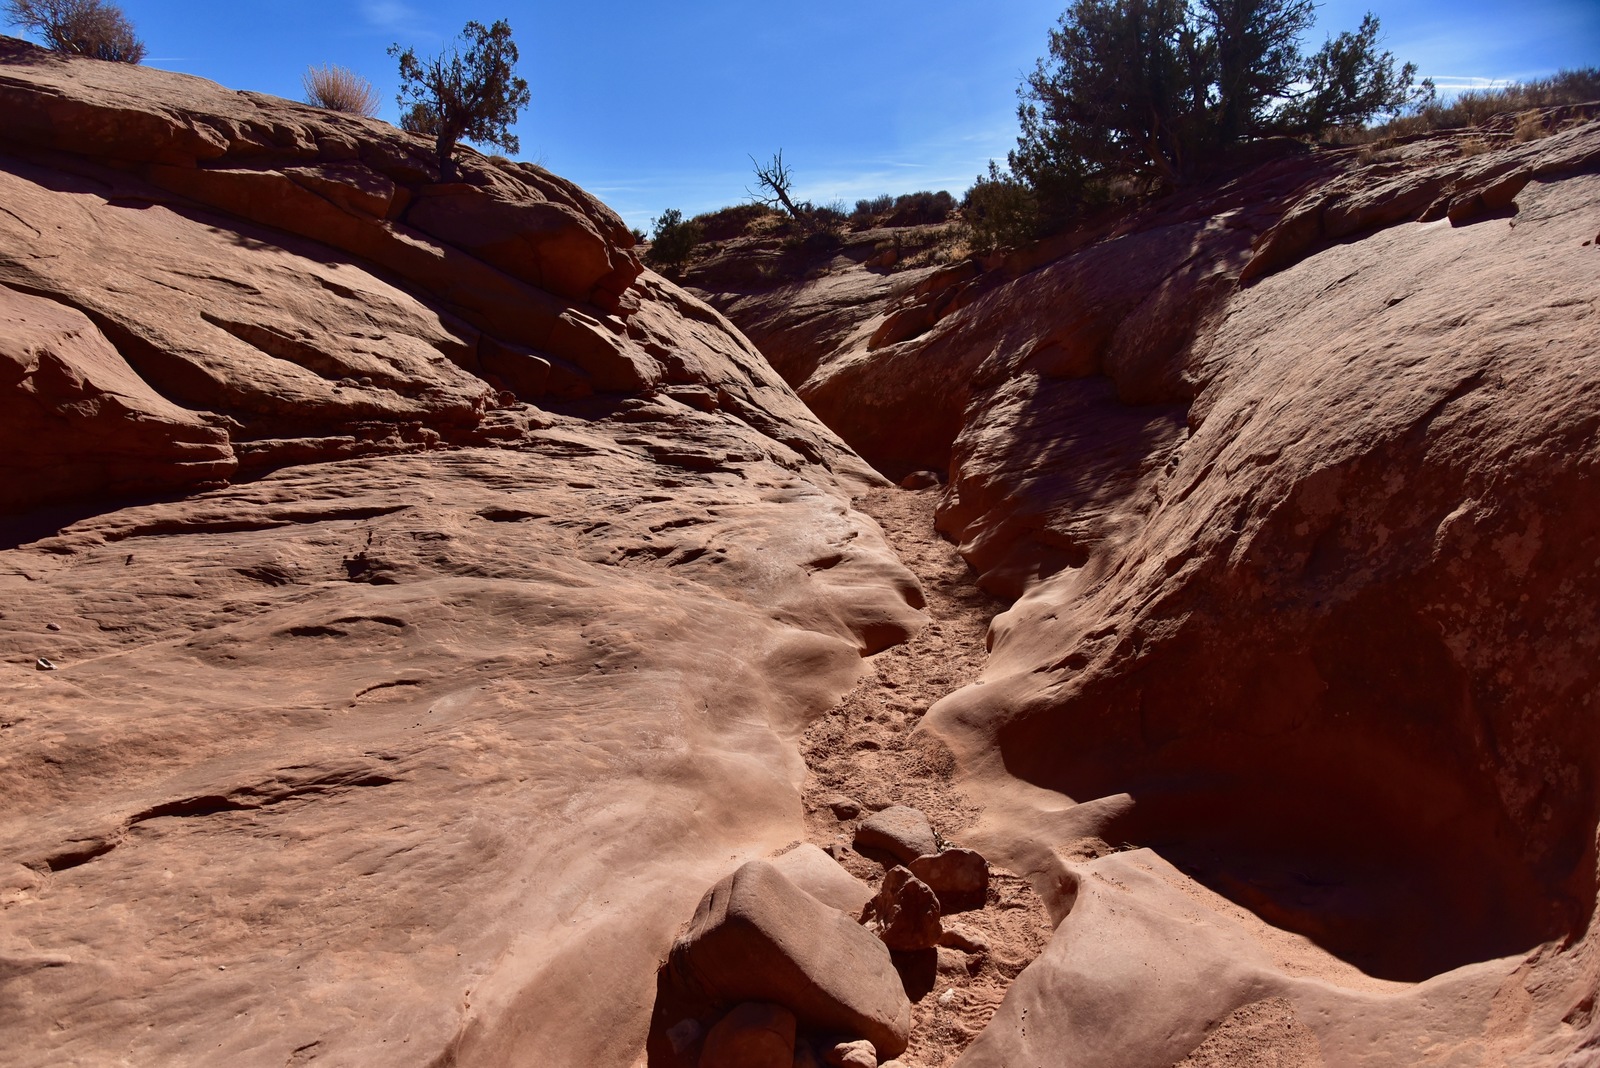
(860, 758)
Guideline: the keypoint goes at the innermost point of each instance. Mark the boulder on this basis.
(905, 912)
(756, 1034)
(959, 876)
(756, 936)
(819, 875)
(903, 833)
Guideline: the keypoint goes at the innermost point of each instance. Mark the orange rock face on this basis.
(1306, 606)
(1291, 479)
(392, 719)
(409, 606)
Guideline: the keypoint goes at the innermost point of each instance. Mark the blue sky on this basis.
(652, 105)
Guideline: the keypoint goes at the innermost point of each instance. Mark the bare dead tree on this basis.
(776, 181)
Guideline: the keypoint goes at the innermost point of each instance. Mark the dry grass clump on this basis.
(338, 89)
(1477, 106)
(739, 220)
(89, 28)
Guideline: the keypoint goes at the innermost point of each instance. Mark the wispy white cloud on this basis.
(393, 16)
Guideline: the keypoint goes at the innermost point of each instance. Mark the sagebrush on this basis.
(338, 89)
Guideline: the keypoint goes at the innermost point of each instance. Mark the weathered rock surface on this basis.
(79, 422)
(394, 720)
(1306, 605)
(858, 1054)
(819, 875)
(897, 831)
(1290, 479)
(758, 937)
(307, 291)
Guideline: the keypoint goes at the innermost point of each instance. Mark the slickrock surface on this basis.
(409, 606)
(1308, 608)
(412, 725)
(296, 279)
(1292, 480)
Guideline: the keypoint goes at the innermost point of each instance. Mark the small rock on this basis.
(959, 876)
(843, 808)
(52, 626)
(903, 833)
(957, 936)
(860, 1054)
(917, 480)
(42, 664)
(905, 914)
(956, 963)
(756, 1034)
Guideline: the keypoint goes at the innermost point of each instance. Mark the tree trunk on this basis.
(446, 150)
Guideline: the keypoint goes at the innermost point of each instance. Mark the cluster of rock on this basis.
(795, 962)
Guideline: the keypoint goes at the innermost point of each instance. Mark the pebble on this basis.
(43, 665)
(843, 808)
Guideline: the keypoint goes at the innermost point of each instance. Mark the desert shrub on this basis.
(672, 239)
(736, 220)
(922, 209)
(338, 89)
(868, 207)
(1476, 106)
(638, 235)
(830, 216)
(91, 28)
(1000, 209)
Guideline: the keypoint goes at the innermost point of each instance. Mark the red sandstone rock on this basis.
(959, 876)
(859, 1054)
(1282, 633)
(78, 422)
(897, 831)
(819, 875)
(440, 713)
(756, 936)
(904, 913)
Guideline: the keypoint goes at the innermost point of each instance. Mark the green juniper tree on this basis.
(472, 94)
(1155, 92)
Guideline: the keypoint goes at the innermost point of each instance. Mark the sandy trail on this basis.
(860, 750)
